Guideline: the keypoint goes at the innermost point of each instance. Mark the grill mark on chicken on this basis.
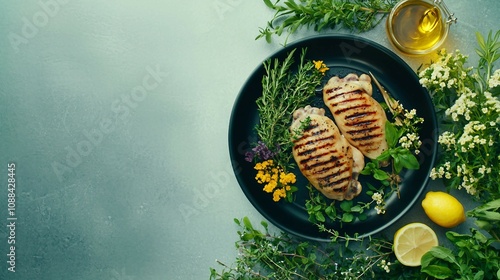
(361, 124)
(344, 94)
(360, 115)
(363, 131)
(343, 109)
(306, 141)
(336, 182)
(311, 151)
(317, 159)
(336, 175)
(330, 90)
(367, 137)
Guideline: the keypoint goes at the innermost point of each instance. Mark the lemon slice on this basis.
(412, 241)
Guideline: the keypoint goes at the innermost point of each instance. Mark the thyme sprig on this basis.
(263, 255)
(355, 15)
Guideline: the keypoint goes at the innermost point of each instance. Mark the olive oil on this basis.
(417, 26)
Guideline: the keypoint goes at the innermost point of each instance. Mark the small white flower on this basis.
(494, 80)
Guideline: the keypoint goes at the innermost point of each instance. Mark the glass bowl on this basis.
(419, 26)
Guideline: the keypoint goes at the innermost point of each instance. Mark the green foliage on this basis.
(284, 90)
(263, 255)
(355, 15)
(476, 255)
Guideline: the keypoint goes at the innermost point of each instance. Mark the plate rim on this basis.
(293, 45)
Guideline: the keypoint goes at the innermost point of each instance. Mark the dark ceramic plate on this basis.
(343, 55)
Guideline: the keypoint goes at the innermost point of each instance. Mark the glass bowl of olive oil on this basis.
(419, 26)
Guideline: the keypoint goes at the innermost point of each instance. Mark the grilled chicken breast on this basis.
(324, 156)
(359, 117)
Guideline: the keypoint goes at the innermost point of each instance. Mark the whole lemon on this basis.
(443, 209)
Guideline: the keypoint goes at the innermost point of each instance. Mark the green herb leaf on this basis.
(391, 134)
(442, 253)
(409, 161)
(380, 175)
(347, 217)
(438, 271)
(346, 205)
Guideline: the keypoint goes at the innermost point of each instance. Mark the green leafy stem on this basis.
(356, 15)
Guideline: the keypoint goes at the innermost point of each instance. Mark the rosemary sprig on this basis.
(355, 15)
(283, 91)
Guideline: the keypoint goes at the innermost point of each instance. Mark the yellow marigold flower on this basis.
(270, 186)
(320, 66)
(274, 179)
(286, 179)
(258, 166)
(278, 194)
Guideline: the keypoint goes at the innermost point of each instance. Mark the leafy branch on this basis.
(355, 15)
(489, 52)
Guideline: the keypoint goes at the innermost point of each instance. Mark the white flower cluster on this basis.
(491, 105)
(410, 140)
(440, 71)
(447, 139)
(494, 80)
(442, 171)
(470, 142)
(472, 135)
(410, 121)
(385, 265)
(379, 199)
(463, 105)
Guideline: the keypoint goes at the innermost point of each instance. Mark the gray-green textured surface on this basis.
(116, 115)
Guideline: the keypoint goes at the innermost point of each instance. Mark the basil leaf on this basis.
(437, 271)
(385, 155)
(380, 175)
(391, 134)
(409, 161)
(247, 223)
(397, 163)
(442, 253)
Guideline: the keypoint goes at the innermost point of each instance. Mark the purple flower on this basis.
(249, 156)
(261, 151)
